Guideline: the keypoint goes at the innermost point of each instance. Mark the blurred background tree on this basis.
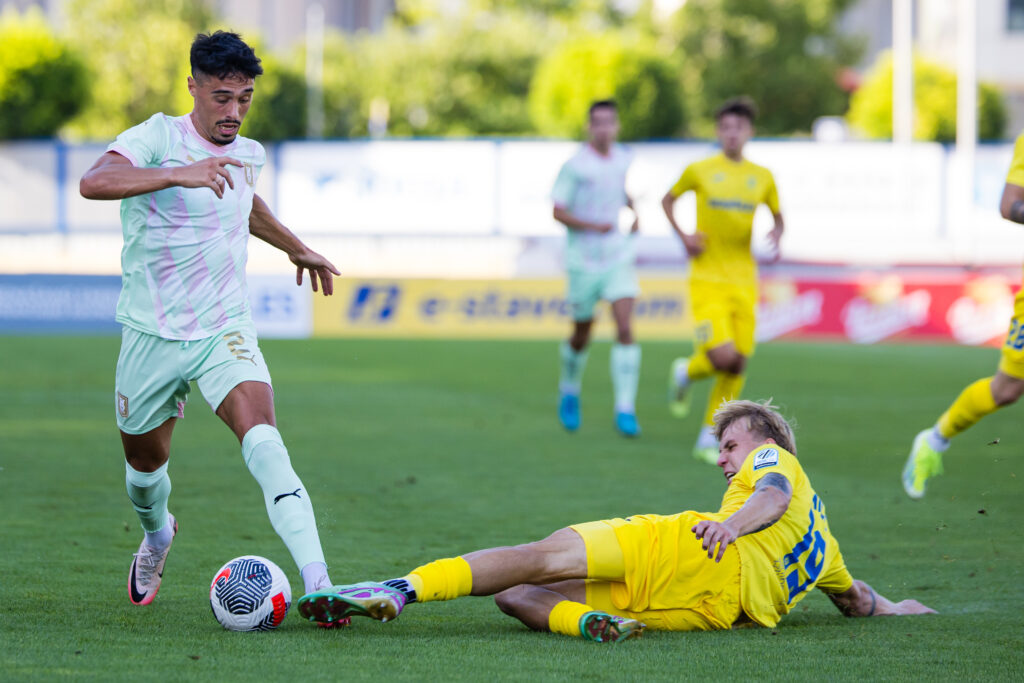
(934, 104)
(138, 54)
(785, 54)
(631, 70)
(43, 81)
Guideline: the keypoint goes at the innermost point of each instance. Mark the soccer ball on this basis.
(250, 593)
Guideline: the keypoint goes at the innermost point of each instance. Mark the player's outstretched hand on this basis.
(695, 243)
(714, 534)
(318, 267)
(906, 607)
(210, 172)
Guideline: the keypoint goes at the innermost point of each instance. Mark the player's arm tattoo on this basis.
(777, 481)
(1017, 211)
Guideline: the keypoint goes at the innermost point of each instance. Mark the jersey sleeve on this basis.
(564, 190)
(1016, 174)
(768, 459)
(146, 144)
(771, 195)
(687, 181)
(836, 578)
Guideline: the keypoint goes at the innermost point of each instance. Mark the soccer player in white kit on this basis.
(188, 207)
(588, 196)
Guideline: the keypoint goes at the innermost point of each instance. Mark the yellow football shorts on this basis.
(723, 313)
(652, 568)
(1012, 361)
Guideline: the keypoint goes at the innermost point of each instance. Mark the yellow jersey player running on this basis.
(750, 562)
(723, 275)
(985, 395)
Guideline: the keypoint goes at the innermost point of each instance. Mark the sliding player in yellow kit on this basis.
(723, 275)
(749, 563)
(985, 395)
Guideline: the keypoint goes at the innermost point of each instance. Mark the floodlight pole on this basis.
(315, 71)
(902, 71)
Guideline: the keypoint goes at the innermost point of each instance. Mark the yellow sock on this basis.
(565, 617)
(442, 580)
(727, 386)
(699, 366)
(973, 403)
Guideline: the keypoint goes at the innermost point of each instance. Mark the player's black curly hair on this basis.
(740, 106)
(223, 54)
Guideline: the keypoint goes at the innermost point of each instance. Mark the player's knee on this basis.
(510, 600)
(1007, 391)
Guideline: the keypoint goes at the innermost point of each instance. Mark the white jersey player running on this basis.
(188, 207)
(588, 195)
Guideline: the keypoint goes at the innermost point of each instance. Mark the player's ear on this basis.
(192, 85)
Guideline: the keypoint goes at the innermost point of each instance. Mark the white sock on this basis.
(936, 440)
(286, 499)
(706, 438)
(573, 363)
(148, 493)
(625, 369)
(314, 576)
(682, 375)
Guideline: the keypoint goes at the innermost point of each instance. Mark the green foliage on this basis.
(785, 54)
(43, 82)
(278, 110)
(468, 76)
(934, 104)
(595, 67)
(138, 52)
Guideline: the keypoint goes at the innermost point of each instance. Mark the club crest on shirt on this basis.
(122, 405)
(766, 457)
(250, 174)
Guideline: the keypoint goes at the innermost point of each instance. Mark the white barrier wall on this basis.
(866, 203)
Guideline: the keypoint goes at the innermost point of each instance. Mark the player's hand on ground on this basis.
(318, 267)
(695, 243)
(905, 607)
(211, 172)
(714, 534)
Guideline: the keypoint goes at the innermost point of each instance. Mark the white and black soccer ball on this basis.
(250, 593)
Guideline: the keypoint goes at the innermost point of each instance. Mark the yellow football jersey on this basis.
(1016, 174)
(781, 564)
(728, 193)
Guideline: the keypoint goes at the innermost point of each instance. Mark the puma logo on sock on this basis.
(285, 495)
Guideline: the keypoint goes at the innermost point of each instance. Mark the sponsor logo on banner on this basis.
(981, 314)
(483, 309)
(280, 309)
(882, 310)
(783, 309)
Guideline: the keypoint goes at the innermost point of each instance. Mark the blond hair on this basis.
(762, 419)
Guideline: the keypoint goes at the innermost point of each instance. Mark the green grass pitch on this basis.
(414, 450)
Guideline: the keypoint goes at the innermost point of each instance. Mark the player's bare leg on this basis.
(248, 410)
(560, 556)
(625, 368)
(729, 365)
(573, 362)
(562, 607)
(149, 487)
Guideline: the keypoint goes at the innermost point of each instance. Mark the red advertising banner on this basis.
(871, 307)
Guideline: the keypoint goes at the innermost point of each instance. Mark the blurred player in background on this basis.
(588, 195)
(188, 207)
(985, 395)
(605, 581)
(723, 275)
